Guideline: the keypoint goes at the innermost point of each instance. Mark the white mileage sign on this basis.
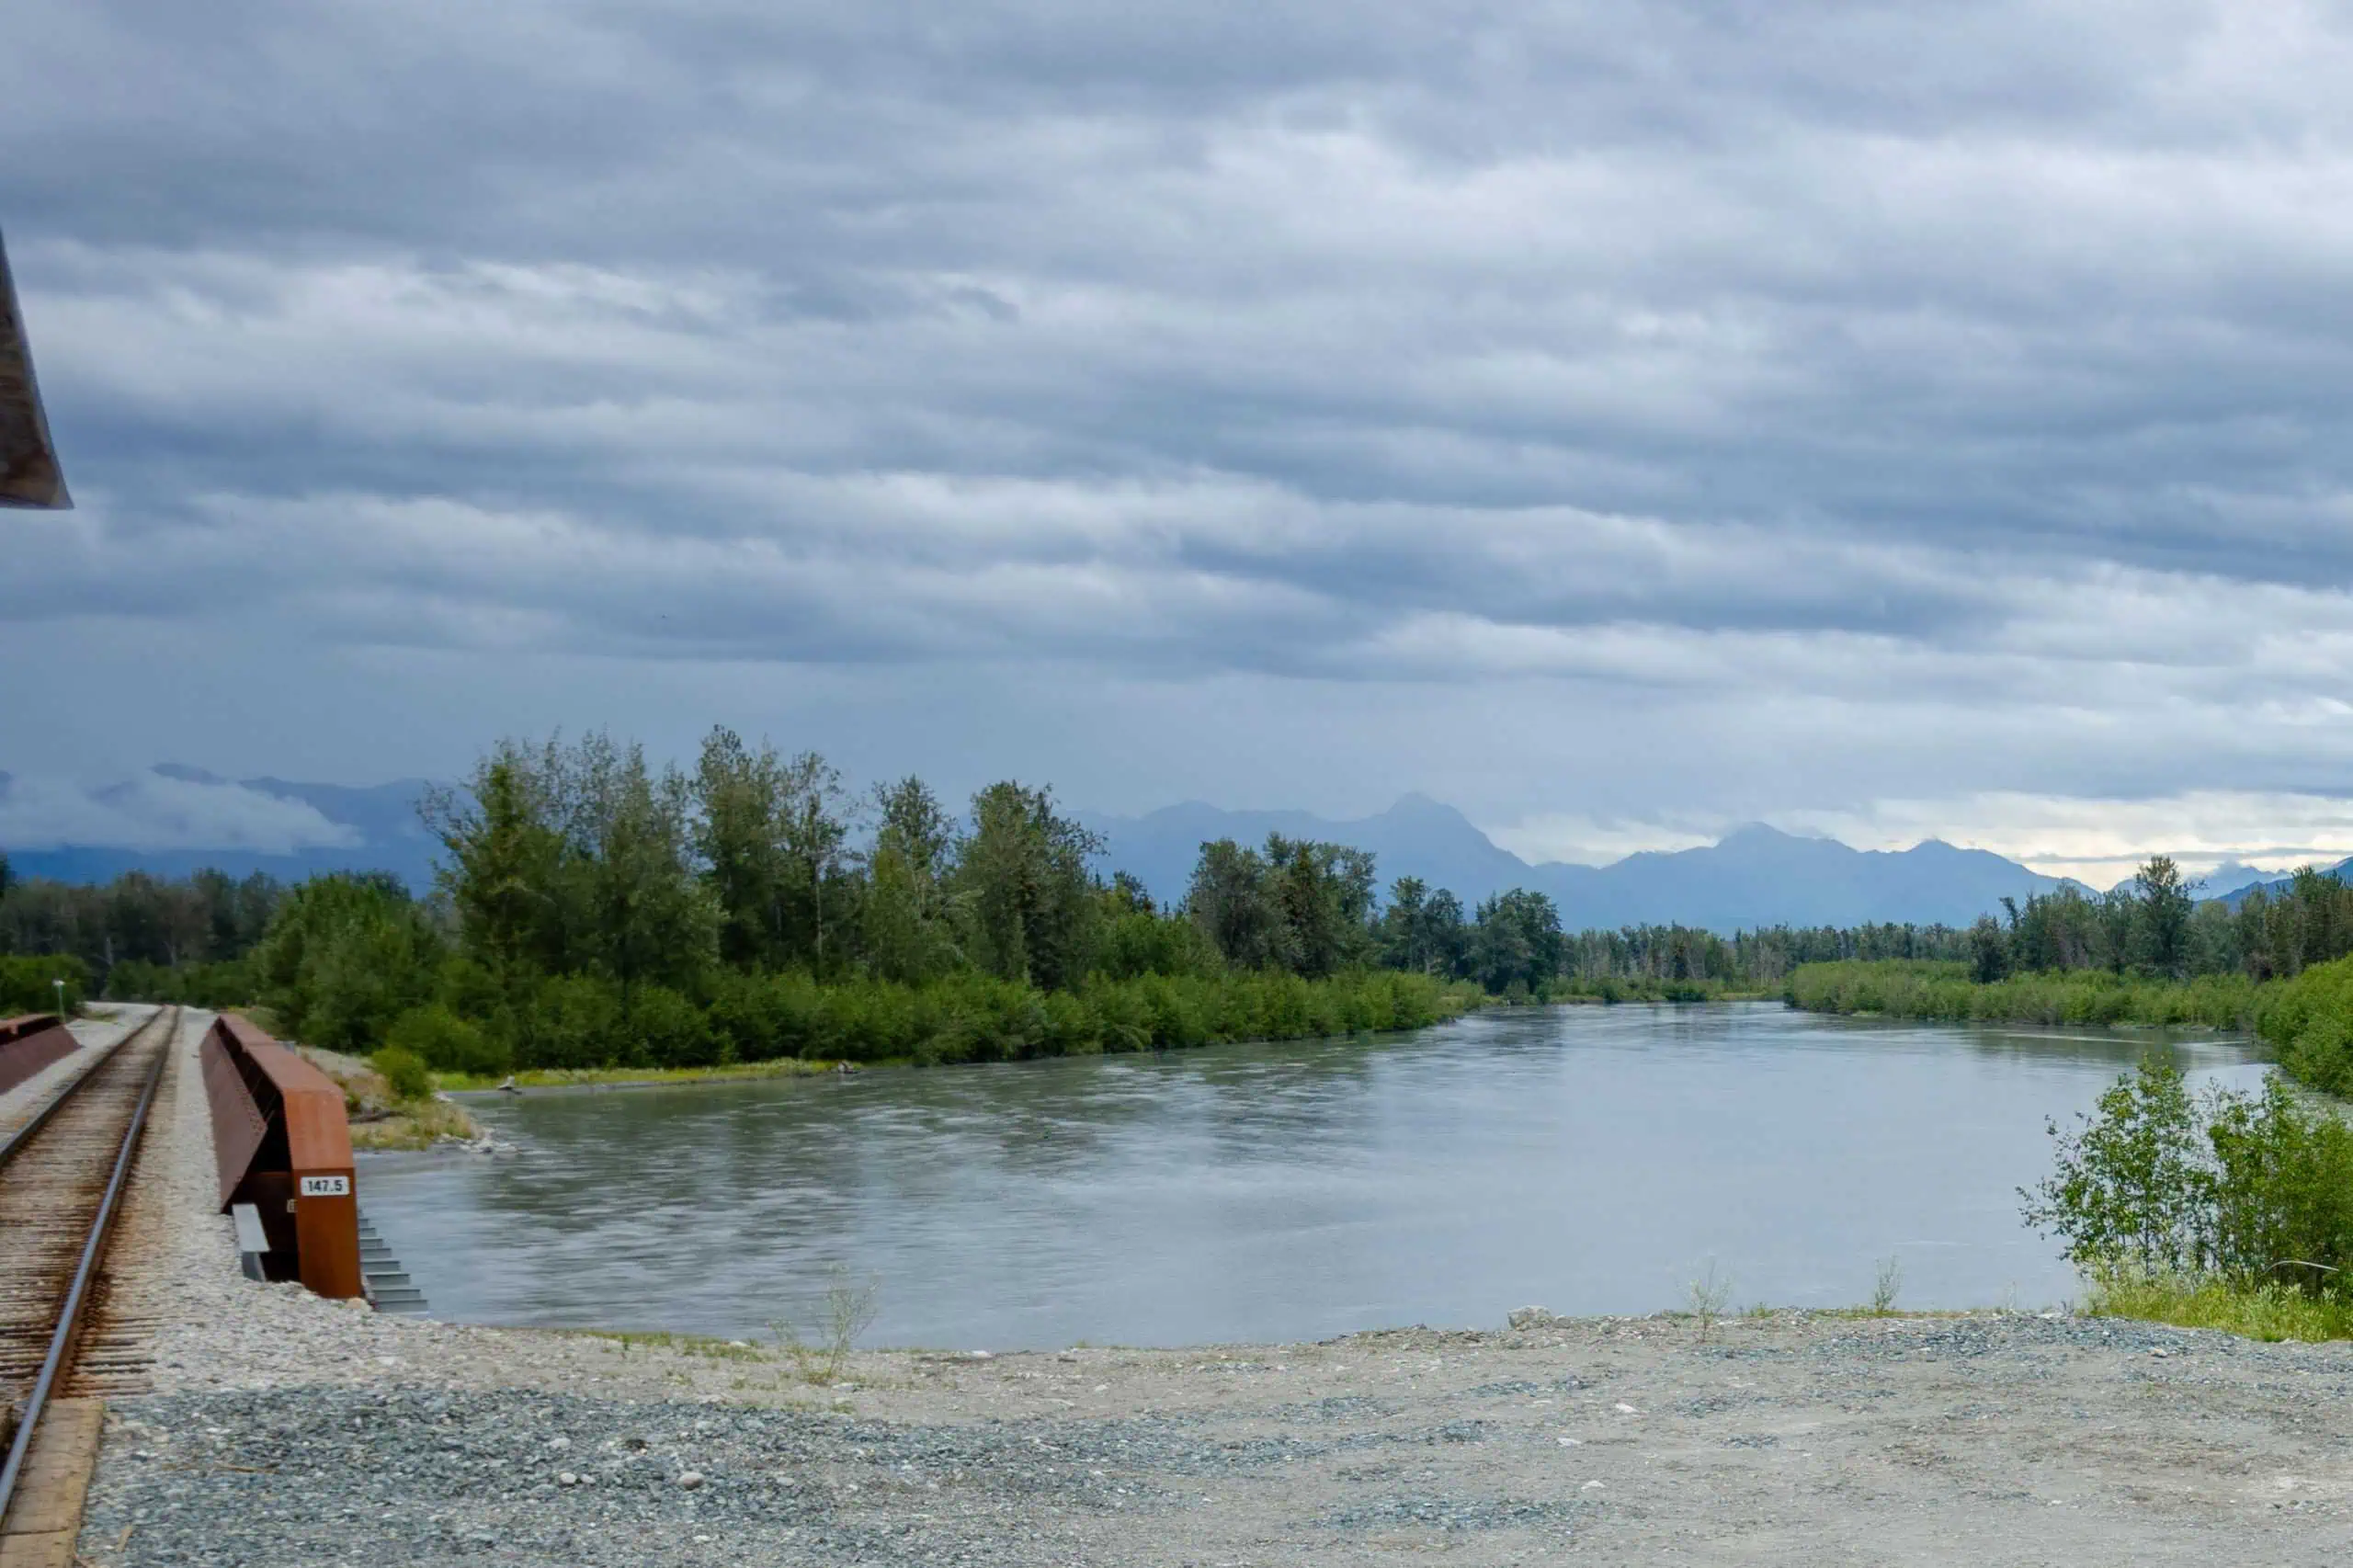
(326, 1187)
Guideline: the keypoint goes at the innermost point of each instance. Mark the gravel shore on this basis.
(282, 1429)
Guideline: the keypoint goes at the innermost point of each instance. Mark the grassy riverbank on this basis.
(2270, 1312)
(1899, 988)
(580, 1029)
(644, 1077)
(1646, 988)
(384, 1121)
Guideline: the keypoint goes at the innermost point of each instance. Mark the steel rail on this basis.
(69, 1317)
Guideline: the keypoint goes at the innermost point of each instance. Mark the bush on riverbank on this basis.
(447, 1043)
(2221, 1203)
(1910, 989)
(579, 1022)
(2309, 1021)
(405, 1073)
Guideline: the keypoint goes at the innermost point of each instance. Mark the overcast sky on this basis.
(1618, 420)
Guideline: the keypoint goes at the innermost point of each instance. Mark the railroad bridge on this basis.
(74, 1119)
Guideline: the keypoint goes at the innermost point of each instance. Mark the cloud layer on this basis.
(1649, 414)
(157, 810)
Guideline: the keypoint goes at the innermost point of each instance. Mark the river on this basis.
(1585, 1159)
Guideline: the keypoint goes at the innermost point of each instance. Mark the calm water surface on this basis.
(1588, 1159)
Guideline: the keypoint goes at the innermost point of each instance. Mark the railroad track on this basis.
(62, 1177)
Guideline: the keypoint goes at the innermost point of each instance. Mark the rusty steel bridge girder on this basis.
(282, 1142)
(30, 1043)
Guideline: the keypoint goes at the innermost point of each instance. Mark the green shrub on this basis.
(2309, 1021)
(668, 1030)
(27, 983)
(2159, 1185)
(447, 1043)
(1912, 988)
(572, 1021)
(1137, 944)
(196, 985)
(760, 1018)
(213, 986)
(469, 989)
(581, 1021)
(404, 1072)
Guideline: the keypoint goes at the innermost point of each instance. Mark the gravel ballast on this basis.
(283, 1429)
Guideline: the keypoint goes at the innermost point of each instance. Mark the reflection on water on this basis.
(1588, 1159)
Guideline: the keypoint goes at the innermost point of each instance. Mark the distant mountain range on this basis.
(174, 820)
(2229, 882)
(1755, 876)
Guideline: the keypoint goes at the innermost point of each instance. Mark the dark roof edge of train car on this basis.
(30, 472)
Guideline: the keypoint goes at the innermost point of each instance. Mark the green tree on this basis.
(1231, 901)
(569, 858)
(654, 921)
(773, 834)
(1322, 893)
(906, 925)
(1404, 937)
(1515, 940)
(1025, 896)
(2166, 904)
(506, 864)
(1989, 951)
(346, 956)
(738, 798)
(1446, 935)
(1128, 895)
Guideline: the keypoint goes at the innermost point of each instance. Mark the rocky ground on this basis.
(379, 1120)
(286, 1430)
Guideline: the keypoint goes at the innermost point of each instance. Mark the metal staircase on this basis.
(389, 1285)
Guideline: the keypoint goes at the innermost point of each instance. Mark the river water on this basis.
(1585, 1159)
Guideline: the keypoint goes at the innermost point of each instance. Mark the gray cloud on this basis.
(1810, 405)
(158, 810)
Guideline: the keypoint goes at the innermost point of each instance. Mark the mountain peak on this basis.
(183, 774)
(1754, 833)
(1413, 804)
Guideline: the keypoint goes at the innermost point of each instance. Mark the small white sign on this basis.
(326, 1187)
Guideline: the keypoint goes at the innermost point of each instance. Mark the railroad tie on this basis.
(45, 1518)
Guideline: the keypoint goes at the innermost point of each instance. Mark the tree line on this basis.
(595, 910)
(2155, 926)
(164, 938)
(592, 908)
